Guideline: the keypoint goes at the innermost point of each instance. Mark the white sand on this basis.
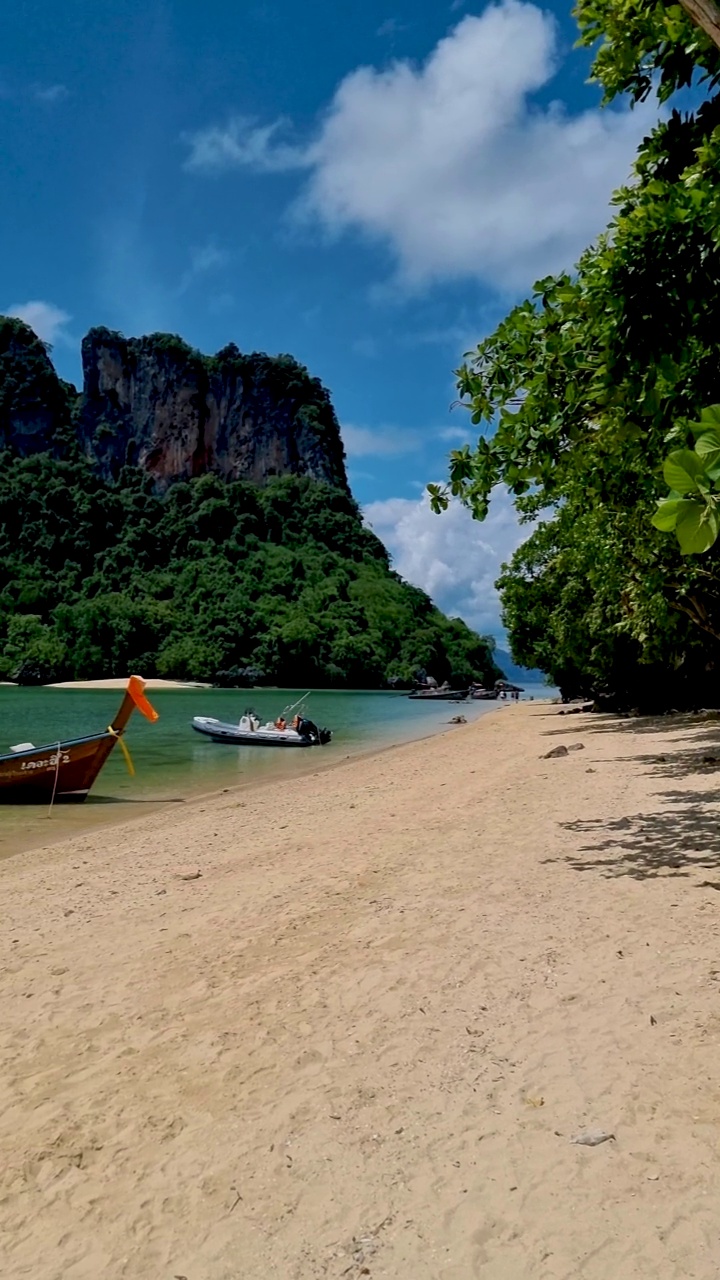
(120, 682)
(359, 1043)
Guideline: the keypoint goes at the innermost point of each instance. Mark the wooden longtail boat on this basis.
(67, 770)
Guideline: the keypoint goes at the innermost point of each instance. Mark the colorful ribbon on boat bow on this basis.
(136, 686)
(124, 748)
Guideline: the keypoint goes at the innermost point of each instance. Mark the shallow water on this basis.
(173, 763)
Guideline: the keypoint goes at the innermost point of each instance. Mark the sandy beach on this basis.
(360, 1042)
(120, 682)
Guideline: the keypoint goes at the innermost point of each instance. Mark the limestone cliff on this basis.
(155, 403)
(36, 407)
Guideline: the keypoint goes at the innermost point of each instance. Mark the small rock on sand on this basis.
(188, 873)
(556, 751)
(591, 1138)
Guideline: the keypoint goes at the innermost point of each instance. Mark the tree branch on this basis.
(706, 14)
(699, 621)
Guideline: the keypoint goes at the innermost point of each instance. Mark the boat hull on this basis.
(65, 771)
(68, 769)
(453, 695)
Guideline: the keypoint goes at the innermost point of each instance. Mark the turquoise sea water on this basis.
(173, 763)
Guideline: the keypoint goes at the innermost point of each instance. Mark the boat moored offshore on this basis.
(249, 732)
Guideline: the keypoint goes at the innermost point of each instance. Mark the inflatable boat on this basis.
(249, 732)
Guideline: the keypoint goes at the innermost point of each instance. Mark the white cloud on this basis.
(50, 93)
(457, 435)
(451, 556)
(207, 257)
(451, 335)
(367, 347)
(451, 163)
(241, 143)
(390, 27)
(366, 442)
(44, 318)
(455, 168)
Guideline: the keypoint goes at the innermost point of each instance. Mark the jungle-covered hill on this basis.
(102, 570)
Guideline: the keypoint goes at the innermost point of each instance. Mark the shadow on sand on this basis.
(680, 836)
(94, 800)
(678, 840)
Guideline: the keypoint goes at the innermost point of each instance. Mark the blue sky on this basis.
(369, 191)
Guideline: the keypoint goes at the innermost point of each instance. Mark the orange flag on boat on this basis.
(136, 687)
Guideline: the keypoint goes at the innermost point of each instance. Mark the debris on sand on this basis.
(591, 1138)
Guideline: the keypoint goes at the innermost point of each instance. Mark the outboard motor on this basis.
(308, 729)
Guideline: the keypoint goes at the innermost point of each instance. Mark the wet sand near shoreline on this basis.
(27, 827)
(360, 1041)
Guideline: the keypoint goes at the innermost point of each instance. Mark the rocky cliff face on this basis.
(155, 403)
(35, 406)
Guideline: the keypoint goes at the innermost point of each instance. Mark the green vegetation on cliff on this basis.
(36, 407)
(100, 578)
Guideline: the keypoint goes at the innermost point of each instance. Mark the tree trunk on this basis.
(707, 15)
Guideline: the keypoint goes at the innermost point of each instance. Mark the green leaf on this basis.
(709, 420)
(682, 469)
(708, 448)
(697, 529)
(668, 512)
(438, 498)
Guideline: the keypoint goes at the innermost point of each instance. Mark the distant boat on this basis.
(484, 695)
(65, 771)
(250, 733)
(439, 695)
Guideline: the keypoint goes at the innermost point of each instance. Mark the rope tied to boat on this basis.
(57, 774)
(124, 748)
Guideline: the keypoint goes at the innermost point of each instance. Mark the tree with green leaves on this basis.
(583, 389)
(99, 577)
(692, 508)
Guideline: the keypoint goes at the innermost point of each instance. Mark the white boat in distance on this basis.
(251, 733)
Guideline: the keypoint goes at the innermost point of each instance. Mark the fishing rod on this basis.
(287, 710)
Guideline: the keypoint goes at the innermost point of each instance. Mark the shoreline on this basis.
(118, 819)
(371, 1023)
